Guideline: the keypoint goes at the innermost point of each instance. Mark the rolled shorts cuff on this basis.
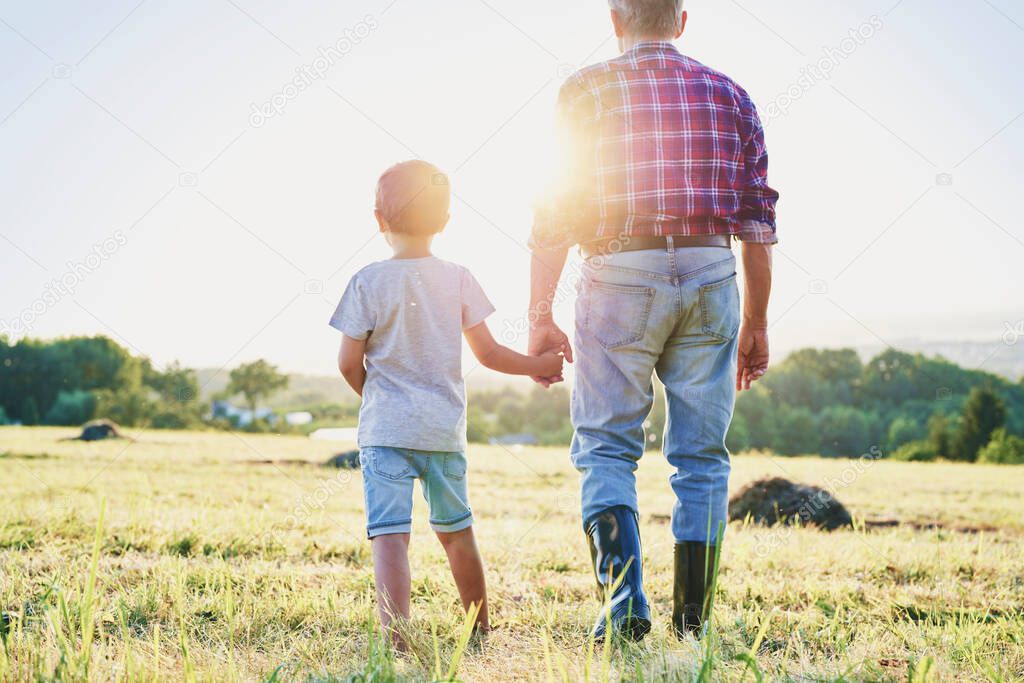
(458, 524)
(388, 528)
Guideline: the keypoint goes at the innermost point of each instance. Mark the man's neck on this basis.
(628, 42)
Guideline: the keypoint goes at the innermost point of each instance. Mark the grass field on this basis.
(226, 556)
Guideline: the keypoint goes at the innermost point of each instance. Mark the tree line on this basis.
(73, 380)
(823, 402)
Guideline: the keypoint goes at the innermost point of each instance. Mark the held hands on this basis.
(550, 364)
(753, 356)
(552, 345)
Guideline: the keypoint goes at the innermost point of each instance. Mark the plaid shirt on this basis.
(657, 144)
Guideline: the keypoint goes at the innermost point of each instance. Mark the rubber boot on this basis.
(691, 595)
(614, 538)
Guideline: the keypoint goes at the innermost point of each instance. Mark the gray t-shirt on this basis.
(412, 313)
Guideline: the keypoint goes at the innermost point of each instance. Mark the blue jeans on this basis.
(677, 314)
(388, 476)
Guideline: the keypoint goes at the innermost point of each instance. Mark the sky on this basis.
(195, 178)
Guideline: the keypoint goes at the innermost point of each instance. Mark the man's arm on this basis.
(559, 220)
(494, 356)
(351, 362)
(546, 267)
(753, 338)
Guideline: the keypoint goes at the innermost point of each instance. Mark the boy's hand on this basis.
(547, 337)
(549, 364)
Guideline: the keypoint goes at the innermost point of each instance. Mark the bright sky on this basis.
(127, 127)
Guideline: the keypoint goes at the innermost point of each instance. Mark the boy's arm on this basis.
(494, 356)
(351, 362)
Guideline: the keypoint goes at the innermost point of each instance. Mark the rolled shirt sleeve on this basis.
(758, 200)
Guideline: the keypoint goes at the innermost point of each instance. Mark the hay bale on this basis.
(98, 430)
(349, 460)
(776, 500)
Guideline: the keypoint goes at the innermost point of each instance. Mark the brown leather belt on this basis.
(616, 245)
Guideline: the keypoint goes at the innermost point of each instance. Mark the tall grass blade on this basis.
(750, 657)
(186, 657)
(156, 650)
(920, 672)
(468, 626)
(88, 606)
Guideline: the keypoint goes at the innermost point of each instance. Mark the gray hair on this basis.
(649, 18)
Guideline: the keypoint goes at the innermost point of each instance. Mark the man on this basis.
(665, 165)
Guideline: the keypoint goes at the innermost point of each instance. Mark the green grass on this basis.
(209, 564)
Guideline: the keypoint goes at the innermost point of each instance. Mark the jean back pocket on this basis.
(617, 315)
(389, 463)
(720, 309)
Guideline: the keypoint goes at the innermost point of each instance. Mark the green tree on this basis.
(761, 413)
(798, 432)
(915, 451)
(256, 381)
(130, 407)
(984, 413)
(814, 378)
(939, 430)
(1003, 449)
(844, 431)
(479, 428)
(511, 416)
(30, 411)
(738, 439)
(178, 388)
(903, 430)
(72, 408)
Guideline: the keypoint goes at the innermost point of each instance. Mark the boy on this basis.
(402, 321)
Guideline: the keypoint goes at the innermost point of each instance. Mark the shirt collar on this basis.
(654, 46)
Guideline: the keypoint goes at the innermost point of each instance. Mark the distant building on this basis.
(243, 417)
(336, 434)
(298, 419)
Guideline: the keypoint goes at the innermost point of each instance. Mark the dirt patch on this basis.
(779, 501)
(283, 462)
(958, 616)
(99, 430)
(349, 460)
(26, 456)
(931, 525)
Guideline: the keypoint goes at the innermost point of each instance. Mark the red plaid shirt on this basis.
(657, 144)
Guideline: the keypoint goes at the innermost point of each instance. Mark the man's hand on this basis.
(547, 337)
(753, 356)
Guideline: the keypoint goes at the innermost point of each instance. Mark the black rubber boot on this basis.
(614, 537)
(691, 596)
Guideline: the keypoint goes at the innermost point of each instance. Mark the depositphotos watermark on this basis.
(821, 70)
(306, 506)
(63, 286)
(1014, 333)
(308, 74)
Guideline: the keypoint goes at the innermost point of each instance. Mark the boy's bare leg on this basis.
(468, 572)
(393, 580)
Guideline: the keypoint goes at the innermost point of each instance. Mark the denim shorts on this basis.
(388, 476)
